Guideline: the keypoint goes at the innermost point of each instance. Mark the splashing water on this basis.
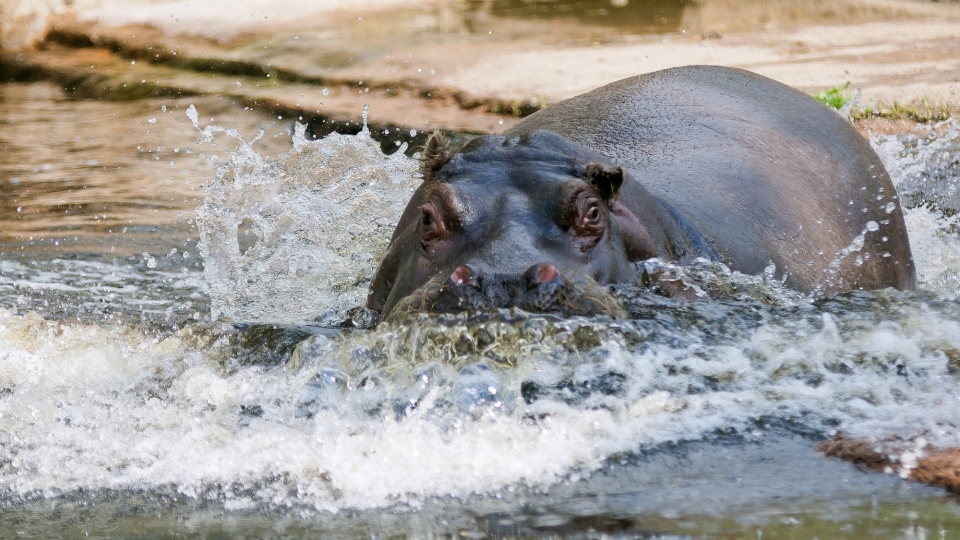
(454, 405)
(298, 239)
(925, 169)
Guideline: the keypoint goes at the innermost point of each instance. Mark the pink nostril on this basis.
(461, 275)
(546, 273)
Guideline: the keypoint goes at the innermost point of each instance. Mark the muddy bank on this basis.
(476, 66)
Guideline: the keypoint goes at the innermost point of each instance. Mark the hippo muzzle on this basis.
(541, 289)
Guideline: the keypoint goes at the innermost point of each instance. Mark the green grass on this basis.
(923, 112)
(833, 97)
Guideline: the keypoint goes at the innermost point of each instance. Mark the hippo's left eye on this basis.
(584, 218)
(593, 214)
(432, 227)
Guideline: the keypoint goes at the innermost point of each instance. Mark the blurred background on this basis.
(95, 139)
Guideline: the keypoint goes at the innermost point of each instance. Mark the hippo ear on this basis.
(436, 153)
(606, 180)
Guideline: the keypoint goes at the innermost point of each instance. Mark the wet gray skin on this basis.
(530, 222)
(751, 172)
(684, 163)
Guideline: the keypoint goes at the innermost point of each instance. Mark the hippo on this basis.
(686, 163)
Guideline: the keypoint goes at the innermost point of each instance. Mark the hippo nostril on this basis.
(465, 275)
(540, 273)
(546, 273)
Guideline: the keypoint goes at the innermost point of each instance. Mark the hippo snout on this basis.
(535, 276)
(542, 288)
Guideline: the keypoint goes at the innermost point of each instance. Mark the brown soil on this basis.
(941, 468)
(935, 466)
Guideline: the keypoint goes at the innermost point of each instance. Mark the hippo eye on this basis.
(588, 218)
(432, 229)
(593, 214)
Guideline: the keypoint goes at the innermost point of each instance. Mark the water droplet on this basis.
(152, 120)
(163, 108)
(325, 91)
(192, 114)
(873, 226)
(413, 133)
(890, 207)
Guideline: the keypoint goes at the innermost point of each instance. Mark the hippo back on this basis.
(766, 172)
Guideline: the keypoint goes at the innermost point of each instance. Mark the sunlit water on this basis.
(119, 390)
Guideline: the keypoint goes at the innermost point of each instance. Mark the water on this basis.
(127, 410)
(299, 238)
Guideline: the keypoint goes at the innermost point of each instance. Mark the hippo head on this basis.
(530, 222)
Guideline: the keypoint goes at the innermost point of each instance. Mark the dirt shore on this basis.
(477, 66)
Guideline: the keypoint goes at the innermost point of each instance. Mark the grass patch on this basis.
(925, 112)
(833, 97)
(836, 98)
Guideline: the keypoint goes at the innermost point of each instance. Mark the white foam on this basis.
(90, 408)
(319, 219)
(933, 236)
